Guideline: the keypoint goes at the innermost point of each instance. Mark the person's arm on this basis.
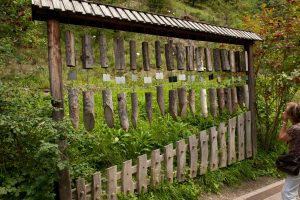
(283, 136)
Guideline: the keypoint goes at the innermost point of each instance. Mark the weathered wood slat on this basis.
(137, 16)
(122, 14)
(246, 61)
(248, 134)
(148, 100)
(146, 19)
(37, 3)
(199, 54)
(88, 110)
(45, 4)
(242, 62)
(78, 7)
(96, 186)
(217, 59)
(80, 188)
(132, 46)
(204, 151)
(142, 173)
(146, 59)
(165, 20)
(134, 109)
(237, 61)
(171, 21)
(173, 103)
(180, 56)
(73, 107)
(105, 11)
(231, 141)
(87, 52)
(214, 153)
(114, 12)
(203, 101)
(87, 8)
(160, 98)
(213, 102)
(159, 20)
(241, 96)
(221, 100)
(70, 49)
(193, 147)
(103, 51)
(246, 93)
(241, 136)
(209, 65)
(155, 167)
(234, 99)
(181, 160)
(182, 97)
(108, 107)
(169, 159)
(192, 99)
(157, 54)
(169, 56)
(153, 20)
(68, 5)
(56, 4)
(232, 61)
(112, 183)
(130, 15)
(228, 100)
(96, 9)
(222, 130)
(122, 109)
(127, 182)
(119, 53)
(189, 58)
(225, 60)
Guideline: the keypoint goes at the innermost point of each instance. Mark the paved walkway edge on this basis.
(264, 192)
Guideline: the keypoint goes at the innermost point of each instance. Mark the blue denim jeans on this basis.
(290, 190)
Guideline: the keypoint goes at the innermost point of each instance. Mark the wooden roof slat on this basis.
(47, 4)
(87, 7)
(62, 7)
(56, 4)
(187, 24)
(184, 24)
(145, 17)
(171, 21)
(165, 21)
(202, 27)
(159, 20)
(178, 23)
(194, 26)
(138, 17)
(114, 12)
(105, 11)
(130, 15)
(152, 18)
(68, 5)
(97, 10)
(78, 7)
(122, 14)
(37, 3)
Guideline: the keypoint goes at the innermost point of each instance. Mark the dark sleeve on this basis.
(293, 131)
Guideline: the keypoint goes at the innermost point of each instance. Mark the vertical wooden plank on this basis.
(108, 107)
(103, 51)
(96, 186)
(242, 62)
(224, 60)
(231, 141)
(191, 99)
(221, 100)
(237, 61)
(214, 154)
(80, 188)
(157, 54)
(173, 103)
(213, 101)
(180, 56)
(87, 52)
(232, 61)
(228, 100)
(155, 167)
(193, 147)
(246, 93)
(134, 109)
(182, 97)
(142, 173)
(169, 56)
(199, 54)
(181, 160)
(246, 61)
(122, 109)
(112, 183)
(234, 99)
(209, 66)
(204, 151)
(248, 134)
(146, 60)
(222, 129)
(203, 101)
(189, 58)
(127, 183)
(148, 100)
(169, 158)
(88, 110)
(217, 59)
(70, 49)
(119, 53)
(241, 95)
(73, 107)
(160, 98)
(241, 137)
(132, 47)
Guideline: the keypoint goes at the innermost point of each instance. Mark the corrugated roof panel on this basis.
(178, 23)
(194, 26)
(203, 28)
(183, 23)
(105, 11)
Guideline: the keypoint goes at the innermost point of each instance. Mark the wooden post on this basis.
(189, 58)
(56, 89)
(213, 102)
(252, 103)
(122, 109)
(108, 107)
(221, 100)
(225, 60)
(228, 99)
(103, 51)
(146, 60)
(173, 103)
(234, 99)
(182, 97)
(169, 55)
(88, 110)
(180, 56)
(203, 101)
(191, 99)
(134, 109)
(148, 100)
(217, 59)
(199, 56)
(70, 49)
(132, 47)
(157, 54)
(73, 107)
(160, 98)
(208, 59)
(87, 52)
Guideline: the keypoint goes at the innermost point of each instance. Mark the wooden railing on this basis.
(211, 149)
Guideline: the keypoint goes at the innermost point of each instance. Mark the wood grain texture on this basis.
(87, 52)
(181, 160)
(160, 98)
(169, 56)
(96, 186)
(146, 59)
(103, 51)
(119, 53)
(192, 100)
(246, 93)
(149, 109)
(222, 130)
(80, 188)
(231, 141)
(108, 107)
(70, 49)
(173, 103)
(193, 148)
(88, 110)
(73, 107)
(228, 99)
(241, 136)
(127, 182)
(122, 109)
(214, 153)
(209, 65)
(142, 173)
(248, 134)
(158, 54)
(189, 58)
(221, 100)
(132, 47)
(204, 139)
(169, 160)
(217, 59)
(180, 56)
(237, 61)
(242, 62)
(112, 183)
(234, 99)
(232, 61)
(203, 101)
(225, 60)
(213, 102)
(134, 109)
(155, 167)
(199, 56)
(182, 97)
(241, 95)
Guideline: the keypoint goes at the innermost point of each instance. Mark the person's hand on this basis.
(285, 116)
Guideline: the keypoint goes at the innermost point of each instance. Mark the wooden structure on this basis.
(213, 156)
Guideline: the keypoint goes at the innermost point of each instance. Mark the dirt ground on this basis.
(230, 193)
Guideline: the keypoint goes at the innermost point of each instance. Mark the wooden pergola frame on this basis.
(58, 12)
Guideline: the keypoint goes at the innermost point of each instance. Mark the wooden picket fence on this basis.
(211, 149)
